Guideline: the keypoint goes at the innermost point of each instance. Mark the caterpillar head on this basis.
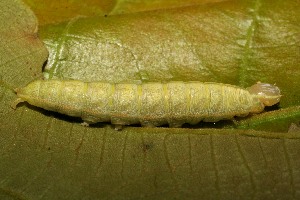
(267, 93)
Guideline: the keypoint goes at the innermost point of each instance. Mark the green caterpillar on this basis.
(150, 104)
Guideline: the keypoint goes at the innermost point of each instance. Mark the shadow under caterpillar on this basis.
(150, 104)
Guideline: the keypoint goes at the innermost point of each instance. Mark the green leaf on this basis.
(45, 155)
(49, 12)
(22, 55)
(276, 121)
(20, 49)
(161, 163)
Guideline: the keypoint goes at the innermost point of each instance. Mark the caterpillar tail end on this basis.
(15, 103)
(17, 90)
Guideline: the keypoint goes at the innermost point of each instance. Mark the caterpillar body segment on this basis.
(150, 104)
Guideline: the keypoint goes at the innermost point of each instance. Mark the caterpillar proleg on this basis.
(150, 104)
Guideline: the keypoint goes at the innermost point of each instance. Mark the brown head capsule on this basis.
(267, 93)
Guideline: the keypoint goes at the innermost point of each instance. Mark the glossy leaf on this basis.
(49, 11)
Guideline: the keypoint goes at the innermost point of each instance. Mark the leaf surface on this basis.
(20, 47)
(49, 12)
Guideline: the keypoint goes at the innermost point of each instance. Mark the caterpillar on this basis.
(150, 104)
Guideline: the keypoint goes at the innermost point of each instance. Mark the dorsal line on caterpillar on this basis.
(150, 104)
